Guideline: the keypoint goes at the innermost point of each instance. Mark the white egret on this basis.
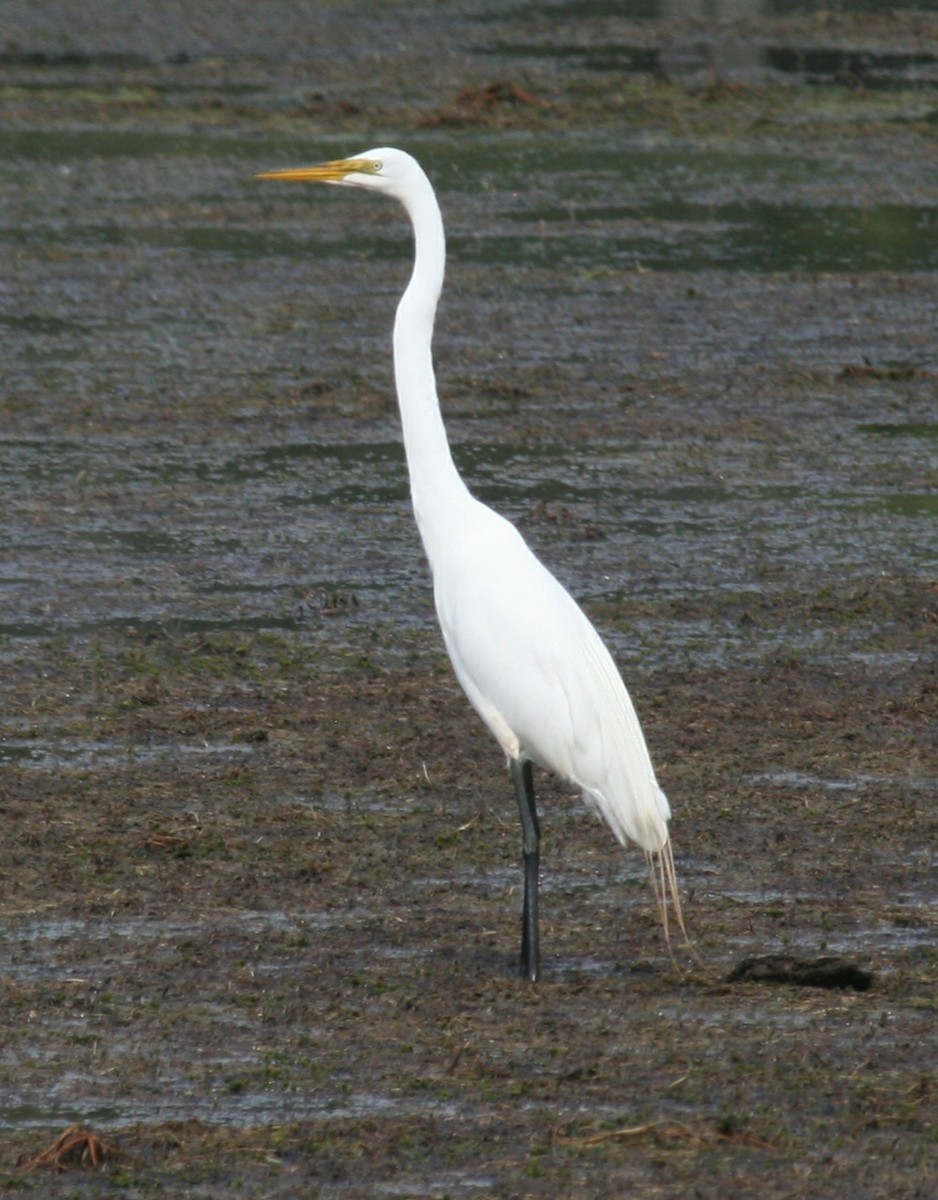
(527, 657)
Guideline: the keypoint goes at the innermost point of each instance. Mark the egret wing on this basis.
(541, 678)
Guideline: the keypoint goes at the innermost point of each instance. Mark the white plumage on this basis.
(541, 679)
(526, 655)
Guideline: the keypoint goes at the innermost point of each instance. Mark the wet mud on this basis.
(259, 875)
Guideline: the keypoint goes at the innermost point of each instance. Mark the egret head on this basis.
(381, 170)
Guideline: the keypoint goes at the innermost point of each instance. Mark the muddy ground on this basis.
(259, 879)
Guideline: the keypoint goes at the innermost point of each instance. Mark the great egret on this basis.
(527, 657)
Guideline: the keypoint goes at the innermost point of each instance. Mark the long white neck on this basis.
(435, 484)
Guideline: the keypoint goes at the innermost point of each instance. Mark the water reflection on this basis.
(714, 43)
(660, 234)
(750, 236)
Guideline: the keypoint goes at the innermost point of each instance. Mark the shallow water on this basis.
(257, 866)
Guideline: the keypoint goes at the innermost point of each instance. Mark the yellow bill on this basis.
(329, 172)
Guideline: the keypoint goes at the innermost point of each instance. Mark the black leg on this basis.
(523, 779)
